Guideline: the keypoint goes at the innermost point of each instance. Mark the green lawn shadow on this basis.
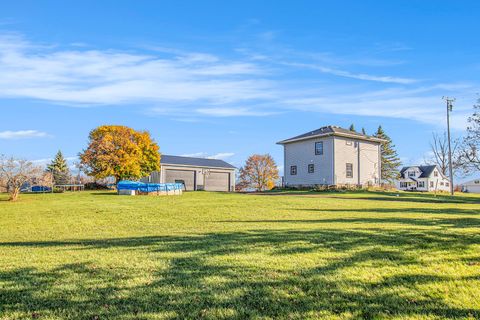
(181, 288)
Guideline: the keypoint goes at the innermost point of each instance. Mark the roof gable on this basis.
(426, 170)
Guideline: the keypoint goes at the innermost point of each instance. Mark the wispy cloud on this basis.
(348, 74)
(194, 86)
(22, 134)
(71, 162)
(219, 156)
(423, 104)
(233, 112)
(95, 77)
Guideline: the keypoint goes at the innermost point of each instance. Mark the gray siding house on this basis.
(195, 173)
(331, 156)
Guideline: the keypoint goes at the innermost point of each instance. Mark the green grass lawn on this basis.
(205, 255)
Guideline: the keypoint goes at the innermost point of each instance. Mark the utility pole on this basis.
(449, 109)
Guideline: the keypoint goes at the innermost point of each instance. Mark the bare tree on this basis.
(470, 153)
(14, 173)
(439, 148)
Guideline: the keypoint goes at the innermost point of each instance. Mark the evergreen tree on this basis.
(59, 169)
(390, 160)
(364, 132)
(352, 128)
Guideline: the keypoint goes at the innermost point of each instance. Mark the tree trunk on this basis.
(14, 194)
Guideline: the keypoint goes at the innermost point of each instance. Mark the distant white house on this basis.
(423, 178)
(471, 186)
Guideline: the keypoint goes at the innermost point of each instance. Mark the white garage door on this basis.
(185, 176)
(474, 189)
(217, 181)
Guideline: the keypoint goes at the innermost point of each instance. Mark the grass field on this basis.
(237, 256)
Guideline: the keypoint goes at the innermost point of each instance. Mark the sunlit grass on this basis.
(235, 256)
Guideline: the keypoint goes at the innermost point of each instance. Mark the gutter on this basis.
(372, 139)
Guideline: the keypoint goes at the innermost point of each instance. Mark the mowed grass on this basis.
(236, 256)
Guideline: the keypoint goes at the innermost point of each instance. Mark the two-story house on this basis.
(423, 178)
(331, 156)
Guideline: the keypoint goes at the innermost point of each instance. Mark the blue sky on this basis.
(226, 79)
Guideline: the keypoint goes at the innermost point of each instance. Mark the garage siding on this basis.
(217, 181)
(188, 176)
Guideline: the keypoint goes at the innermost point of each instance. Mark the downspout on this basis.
(358, 163)
(379, 164)
(284, 165)
(334, 182)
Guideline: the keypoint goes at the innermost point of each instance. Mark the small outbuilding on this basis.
(195, 173)
(471, 186)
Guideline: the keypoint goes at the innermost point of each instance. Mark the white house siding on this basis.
(363, 155)
(432, 183)
(301, 154)
(439, 183)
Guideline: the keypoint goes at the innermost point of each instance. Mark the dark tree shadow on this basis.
(437, 222)
(379, 196)
(181, 290)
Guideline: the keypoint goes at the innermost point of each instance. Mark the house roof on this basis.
(426, 170)
(196, 162)
(330, 131)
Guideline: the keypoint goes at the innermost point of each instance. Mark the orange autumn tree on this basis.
(121, 152)
(260, 173)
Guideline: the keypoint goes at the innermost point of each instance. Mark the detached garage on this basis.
(471, 186)
(195, 173)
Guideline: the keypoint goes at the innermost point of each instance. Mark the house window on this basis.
(476, 181)
(403, 184)
(349, 167)
(431, 184)
(421, 184)
(411, 173)
(348, 142)
(311, 168)
(447, 184)
(441, 183)
(319, 148)
(293, 170)
(435, 173)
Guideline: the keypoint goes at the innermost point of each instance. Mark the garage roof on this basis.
(196, 162)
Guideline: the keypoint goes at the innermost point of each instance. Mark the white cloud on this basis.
(195, 155)
(22, 134)
(358, 76)
(95, 77)
(219, 156)
(192, 86)
(232, 112)
(71, 161)
(423, 104)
